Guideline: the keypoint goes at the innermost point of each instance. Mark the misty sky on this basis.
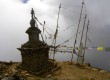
(15, 17)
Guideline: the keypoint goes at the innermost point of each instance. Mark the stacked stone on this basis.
(35, 52)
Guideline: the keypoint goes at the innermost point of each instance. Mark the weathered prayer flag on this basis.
(107, 49)
(100, 48)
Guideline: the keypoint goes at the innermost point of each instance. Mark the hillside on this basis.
(66, 72)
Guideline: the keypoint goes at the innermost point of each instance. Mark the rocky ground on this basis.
(9, 71)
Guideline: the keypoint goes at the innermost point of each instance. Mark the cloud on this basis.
(24, 1)
(98, 14)
(15, 16)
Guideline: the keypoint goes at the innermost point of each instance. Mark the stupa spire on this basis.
(32, 22)
(32, 13)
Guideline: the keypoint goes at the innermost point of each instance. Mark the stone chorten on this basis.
(34, 52)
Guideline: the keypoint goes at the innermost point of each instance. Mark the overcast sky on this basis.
(15, 17)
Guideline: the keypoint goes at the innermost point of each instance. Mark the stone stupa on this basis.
(34, 53)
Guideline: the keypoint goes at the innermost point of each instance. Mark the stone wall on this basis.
(34, 58)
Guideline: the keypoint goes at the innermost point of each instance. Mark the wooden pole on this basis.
(77, 31)
(85, 41)
(80, 54)
(55, 35)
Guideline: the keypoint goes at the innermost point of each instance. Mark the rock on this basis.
(83, 78)
(0, 77)
(8, 78)
(23, 72)
(92, 78)
(48, 76)
(87, 64)
(75, 63)
(88, 67)
(94, 69)
(11, 78)
(27, 75)
(14, 72)
(6, 74)
(102, 71)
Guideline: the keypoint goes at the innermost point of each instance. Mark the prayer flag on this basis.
(100, 48)
(107, 49)
(56, 34)
(75, 52)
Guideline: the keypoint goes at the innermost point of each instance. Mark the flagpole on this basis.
(85, 41)
(81, 38)
(77, 31)
(55, 35)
